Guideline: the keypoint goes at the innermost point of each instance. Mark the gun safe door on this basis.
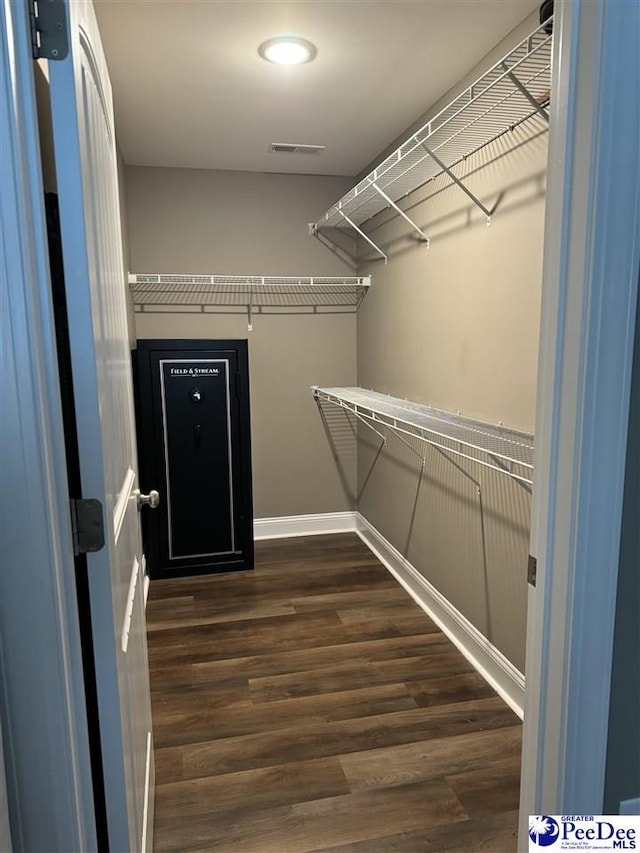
(194, 446)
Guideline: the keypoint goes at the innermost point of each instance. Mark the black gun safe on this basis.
(194, 448)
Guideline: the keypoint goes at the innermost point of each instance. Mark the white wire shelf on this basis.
(247, 293)
(515, 90)
(497, 447)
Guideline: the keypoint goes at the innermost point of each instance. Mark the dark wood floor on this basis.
(312, 706)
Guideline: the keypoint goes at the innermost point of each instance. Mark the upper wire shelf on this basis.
(514, 90)
(502, 449)
(247, 293)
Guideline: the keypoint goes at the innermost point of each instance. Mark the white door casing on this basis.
(86, 166)
(590, 284)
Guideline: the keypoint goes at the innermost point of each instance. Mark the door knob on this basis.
(151, 500)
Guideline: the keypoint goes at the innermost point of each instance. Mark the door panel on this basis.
(194, 442)
(98, 337)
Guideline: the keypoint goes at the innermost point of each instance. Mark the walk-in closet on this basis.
(325, 354)
(392, 325)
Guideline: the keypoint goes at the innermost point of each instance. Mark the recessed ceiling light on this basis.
(287, 50)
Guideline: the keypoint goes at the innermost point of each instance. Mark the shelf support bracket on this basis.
(507, 468)
(356, 414)
(362, 234)
(402, 213)
(366, 423)
(457, 181)
(421, 457)
(250, 310)
(525, 92)
(333, 246)
(395, 431)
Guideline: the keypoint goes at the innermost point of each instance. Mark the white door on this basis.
(91, 241)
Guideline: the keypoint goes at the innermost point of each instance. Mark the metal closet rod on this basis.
(505, 466)
(474, 93)
(443, 447)
(483, 89)
(441, 417)
(145, 285)
(246, 281)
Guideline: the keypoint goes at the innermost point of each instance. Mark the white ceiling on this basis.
(191, 91)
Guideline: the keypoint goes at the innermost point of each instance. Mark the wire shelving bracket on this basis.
(514, 91)
(495, 446)
(250, 294)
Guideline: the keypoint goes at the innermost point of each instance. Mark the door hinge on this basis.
(87, 525)
(532, 570)
(49, 30)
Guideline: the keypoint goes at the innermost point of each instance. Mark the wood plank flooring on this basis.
(311, 705)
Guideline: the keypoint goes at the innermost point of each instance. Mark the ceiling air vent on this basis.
(294, 148)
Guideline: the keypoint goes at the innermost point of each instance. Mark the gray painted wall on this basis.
(205, 221)
(623, 754)
(196, 221)
(456, 326)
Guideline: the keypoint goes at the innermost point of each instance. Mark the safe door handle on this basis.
(151, 500)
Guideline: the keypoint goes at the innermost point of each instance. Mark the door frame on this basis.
(42, 701)
(590, 285)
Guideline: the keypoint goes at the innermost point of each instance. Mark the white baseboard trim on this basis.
(492, 665)
(304, 525)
